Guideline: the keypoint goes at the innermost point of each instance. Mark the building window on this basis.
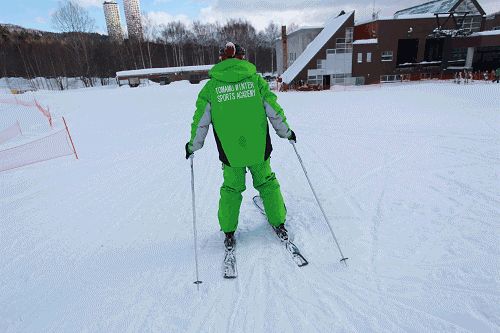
(458, 55)
(360, 58)
(344, 44)
(471, 23)
(387, 56)
(313, 79)
(434, 49)
(349, 32)
(369, 57)
(319, 64)
(407, 51)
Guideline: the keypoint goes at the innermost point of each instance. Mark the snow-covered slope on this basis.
(408, 175)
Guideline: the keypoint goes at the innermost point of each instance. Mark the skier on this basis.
(237, 102)
(497, 75)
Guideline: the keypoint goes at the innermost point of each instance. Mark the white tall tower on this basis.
(134, 20)
(112, 15)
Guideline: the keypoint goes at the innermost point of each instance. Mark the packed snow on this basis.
(408, 175)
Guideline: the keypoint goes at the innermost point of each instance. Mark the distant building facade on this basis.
(113, 23)
(297, 43)
(436, 39)
(325, 60)
(134, 19)
(492, 22)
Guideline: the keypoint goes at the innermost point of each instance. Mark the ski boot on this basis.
(281, 232)
(229, 264)
(229, 241)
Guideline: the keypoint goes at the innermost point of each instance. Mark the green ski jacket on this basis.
(237, 102)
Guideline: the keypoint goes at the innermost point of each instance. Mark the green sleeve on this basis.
(274, 111)
(201, 119)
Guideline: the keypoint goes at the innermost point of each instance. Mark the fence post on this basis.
(70, 139)
(19, 126)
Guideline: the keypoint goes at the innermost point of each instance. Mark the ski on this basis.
(290, 247)
(230, 271)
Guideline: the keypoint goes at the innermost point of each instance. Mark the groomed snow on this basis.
(408, 175)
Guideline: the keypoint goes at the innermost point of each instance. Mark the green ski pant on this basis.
(264, 181)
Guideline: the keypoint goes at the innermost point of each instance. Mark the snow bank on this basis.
(41, 83)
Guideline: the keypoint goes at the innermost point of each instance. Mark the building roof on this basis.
(443, 6)
(331, 27)
(401, 17)
(160, 71)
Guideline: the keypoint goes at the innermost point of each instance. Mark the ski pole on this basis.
(319, 204)
(197, 282)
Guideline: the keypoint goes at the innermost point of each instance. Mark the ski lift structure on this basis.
(458, 31)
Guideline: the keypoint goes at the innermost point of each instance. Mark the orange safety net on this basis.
(43, 149)
(10, 133)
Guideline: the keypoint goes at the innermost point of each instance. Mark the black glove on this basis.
(188, 152)
(293, 137)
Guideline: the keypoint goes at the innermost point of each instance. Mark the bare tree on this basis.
(292, 27)
(177, 35)
(73, 19)
(150, 33)
(271, 34)
(201, 34)
(163, 39)
(215, 42)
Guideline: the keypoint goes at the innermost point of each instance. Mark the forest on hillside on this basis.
(76, 51)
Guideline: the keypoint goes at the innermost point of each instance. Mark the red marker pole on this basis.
(70, 139)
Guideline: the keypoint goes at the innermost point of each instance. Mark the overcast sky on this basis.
(36, 13)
